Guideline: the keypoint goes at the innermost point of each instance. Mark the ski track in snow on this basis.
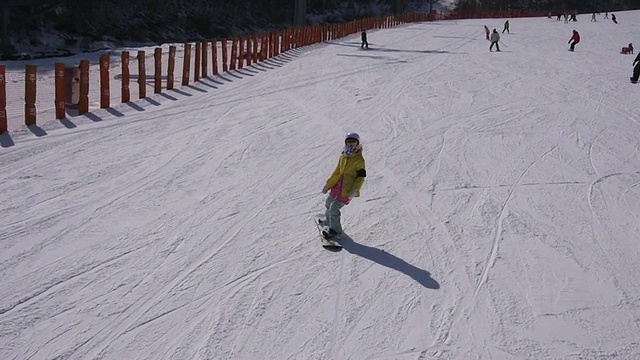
(499, 218)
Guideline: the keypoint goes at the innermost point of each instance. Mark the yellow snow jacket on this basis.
(352, 171)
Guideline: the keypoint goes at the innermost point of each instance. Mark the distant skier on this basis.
(506, 27)
(365, 44)
(495, 38)
(593, 17)
(574, 40)
(613, 18)
(606, 15)
(343, 185)
(630, 47)
(486, 32)
(636, 70)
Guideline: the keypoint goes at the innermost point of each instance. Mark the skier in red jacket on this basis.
(575, 38)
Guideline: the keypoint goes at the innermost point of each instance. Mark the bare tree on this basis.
(300, 13)
(431, 2)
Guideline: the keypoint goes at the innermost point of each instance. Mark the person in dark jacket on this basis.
(574, 40)
(365, 44)
(613, 18)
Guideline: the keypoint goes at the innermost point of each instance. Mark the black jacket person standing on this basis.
(364, 40)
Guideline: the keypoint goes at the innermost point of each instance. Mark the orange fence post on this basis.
(83, 99)
(265, 46)
(248, 53)
(30, 95)
(262, 44)
(198, 59)
(214, 56)
(157, 74)
(232, 58)
(255, 48)
(171, 66)
(225, 67)
(105, 92)
(126, 93)
(240, 53)
(142, 75)
(60, 102)
(205, 58)
(186, 64)
(3, 99)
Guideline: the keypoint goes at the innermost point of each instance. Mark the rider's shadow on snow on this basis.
(389, 260)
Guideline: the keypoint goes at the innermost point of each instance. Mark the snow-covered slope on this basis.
(499, 218)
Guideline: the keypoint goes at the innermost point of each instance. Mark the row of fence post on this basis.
(249, 50)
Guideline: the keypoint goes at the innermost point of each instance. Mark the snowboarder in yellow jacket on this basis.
(344, 184)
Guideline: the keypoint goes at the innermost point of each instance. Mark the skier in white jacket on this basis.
(495, 38)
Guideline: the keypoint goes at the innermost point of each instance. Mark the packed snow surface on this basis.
(500, 217)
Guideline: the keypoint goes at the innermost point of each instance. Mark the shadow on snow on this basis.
(389, 260)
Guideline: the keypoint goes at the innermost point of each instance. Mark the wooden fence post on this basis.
(255, 48)
(83, 99)
(234, 54)
(186, 64)
(171, 66)
(205, 58)
(249, 56)
(214, 56)
(3, 99)
(126, 77)
(30, 95)
(157, 75)
(198, 62)
(263, 47)
(60, 102)
(240, 53)
(105, 89)
(142, 75)
(225, 66)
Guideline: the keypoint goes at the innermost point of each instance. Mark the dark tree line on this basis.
(188, 20)
(158, 20)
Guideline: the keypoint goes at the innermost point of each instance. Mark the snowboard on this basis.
(329, 244)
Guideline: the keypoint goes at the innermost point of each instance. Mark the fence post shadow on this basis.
(389, 260)
(37, 130)
(67, 123)
(6, 140)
